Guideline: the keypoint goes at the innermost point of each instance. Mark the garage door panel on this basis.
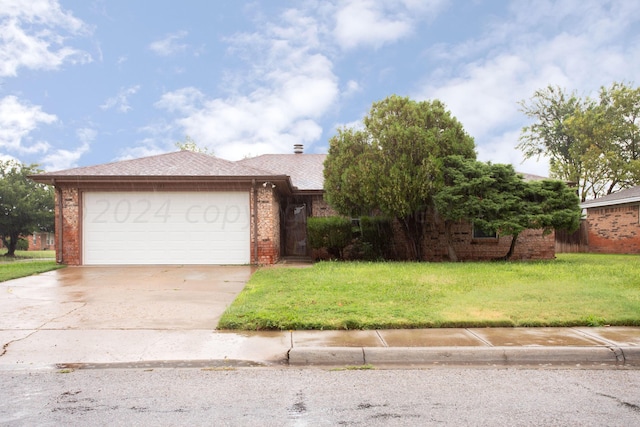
(166, 228)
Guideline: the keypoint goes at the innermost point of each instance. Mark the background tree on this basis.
(25, 206)
(190, 145)
(394, 163)
(551, 136)
(496, 199)
(594, 143)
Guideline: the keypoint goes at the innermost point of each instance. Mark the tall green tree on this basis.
(551, 135)
(620, 106)
(393, 164)
(594, 143)
(25, 206)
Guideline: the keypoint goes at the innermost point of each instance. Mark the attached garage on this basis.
(166, 228)
(182, 208)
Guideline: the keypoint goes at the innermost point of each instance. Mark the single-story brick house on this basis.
(613, 222)
(186, 208)
(38, 241)
(41, 241)
(192, 208)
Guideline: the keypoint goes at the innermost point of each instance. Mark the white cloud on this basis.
(121, 101)
(376, 23)
(64, 159)
(31, 36)
(277, 103)
(567, 43)
(351, 88)
(170, 44)
(17, 120)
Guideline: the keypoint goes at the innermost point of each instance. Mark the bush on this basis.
(375, 238)
(332, 233)
(22, 245)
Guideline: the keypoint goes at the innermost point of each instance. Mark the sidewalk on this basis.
(56, 349)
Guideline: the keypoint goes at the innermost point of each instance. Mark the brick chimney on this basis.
(298, 148)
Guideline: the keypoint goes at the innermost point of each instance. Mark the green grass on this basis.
(575, 289)
(26, 255)
(26, 263)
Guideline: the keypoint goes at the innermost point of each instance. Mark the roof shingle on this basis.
(180, 163)
(306, 170)
(630, 195)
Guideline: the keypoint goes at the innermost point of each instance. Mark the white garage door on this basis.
(166, 228)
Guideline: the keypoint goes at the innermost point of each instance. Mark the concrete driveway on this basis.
(126, 314)
(140, 297)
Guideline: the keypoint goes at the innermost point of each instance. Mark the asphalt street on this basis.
(321, 397)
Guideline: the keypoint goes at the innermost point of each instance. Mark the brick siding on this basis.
(531, 244)
(268, 215)
(70, 226)
(40, 241)
(320, 208)
(614, 229)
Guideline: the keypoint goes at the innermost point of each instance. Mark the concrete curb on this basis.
(631, 355)
(506, 356)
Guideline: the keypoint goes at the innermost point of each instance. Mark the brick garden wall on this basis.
(614, 229)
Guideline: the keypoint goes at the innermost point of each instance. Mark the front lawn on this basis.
(575, 289)
(26, 263)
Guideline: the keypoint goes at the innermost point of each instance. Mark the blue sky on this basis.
(84, 82)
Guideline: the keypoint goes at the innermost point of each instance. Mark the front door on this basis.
(295, 230)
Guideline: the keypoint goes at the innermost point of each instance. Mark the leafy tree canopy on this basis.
(25, 206)
(190, 145)
(393, 163)
(594, 143)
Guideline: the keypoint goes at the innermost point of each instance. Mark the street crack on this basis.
(632, 406)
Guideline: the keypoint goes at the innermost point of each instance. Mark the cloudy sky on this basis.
(85, 82)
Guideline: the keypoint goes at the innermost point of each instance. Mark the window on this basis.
(479, 233)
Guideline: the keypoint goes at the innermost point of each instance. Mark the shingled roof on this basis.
(305, 170)
(179, 163)
(302, 171)
(630, 195)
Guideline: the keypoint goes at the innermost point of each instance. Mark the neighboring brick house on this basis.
(41, 241)
(613, 222)
(38, 241)
(193, 208)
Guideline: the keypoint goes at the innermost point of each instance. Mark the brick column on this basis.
(268, 218)
(70, 231)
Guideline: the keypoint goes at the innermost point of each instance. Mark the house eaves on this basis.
(630, 195)
(282, 181)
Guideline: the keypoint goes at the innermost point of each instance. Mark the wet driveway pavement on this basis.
(162, 297)
(127, 314)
